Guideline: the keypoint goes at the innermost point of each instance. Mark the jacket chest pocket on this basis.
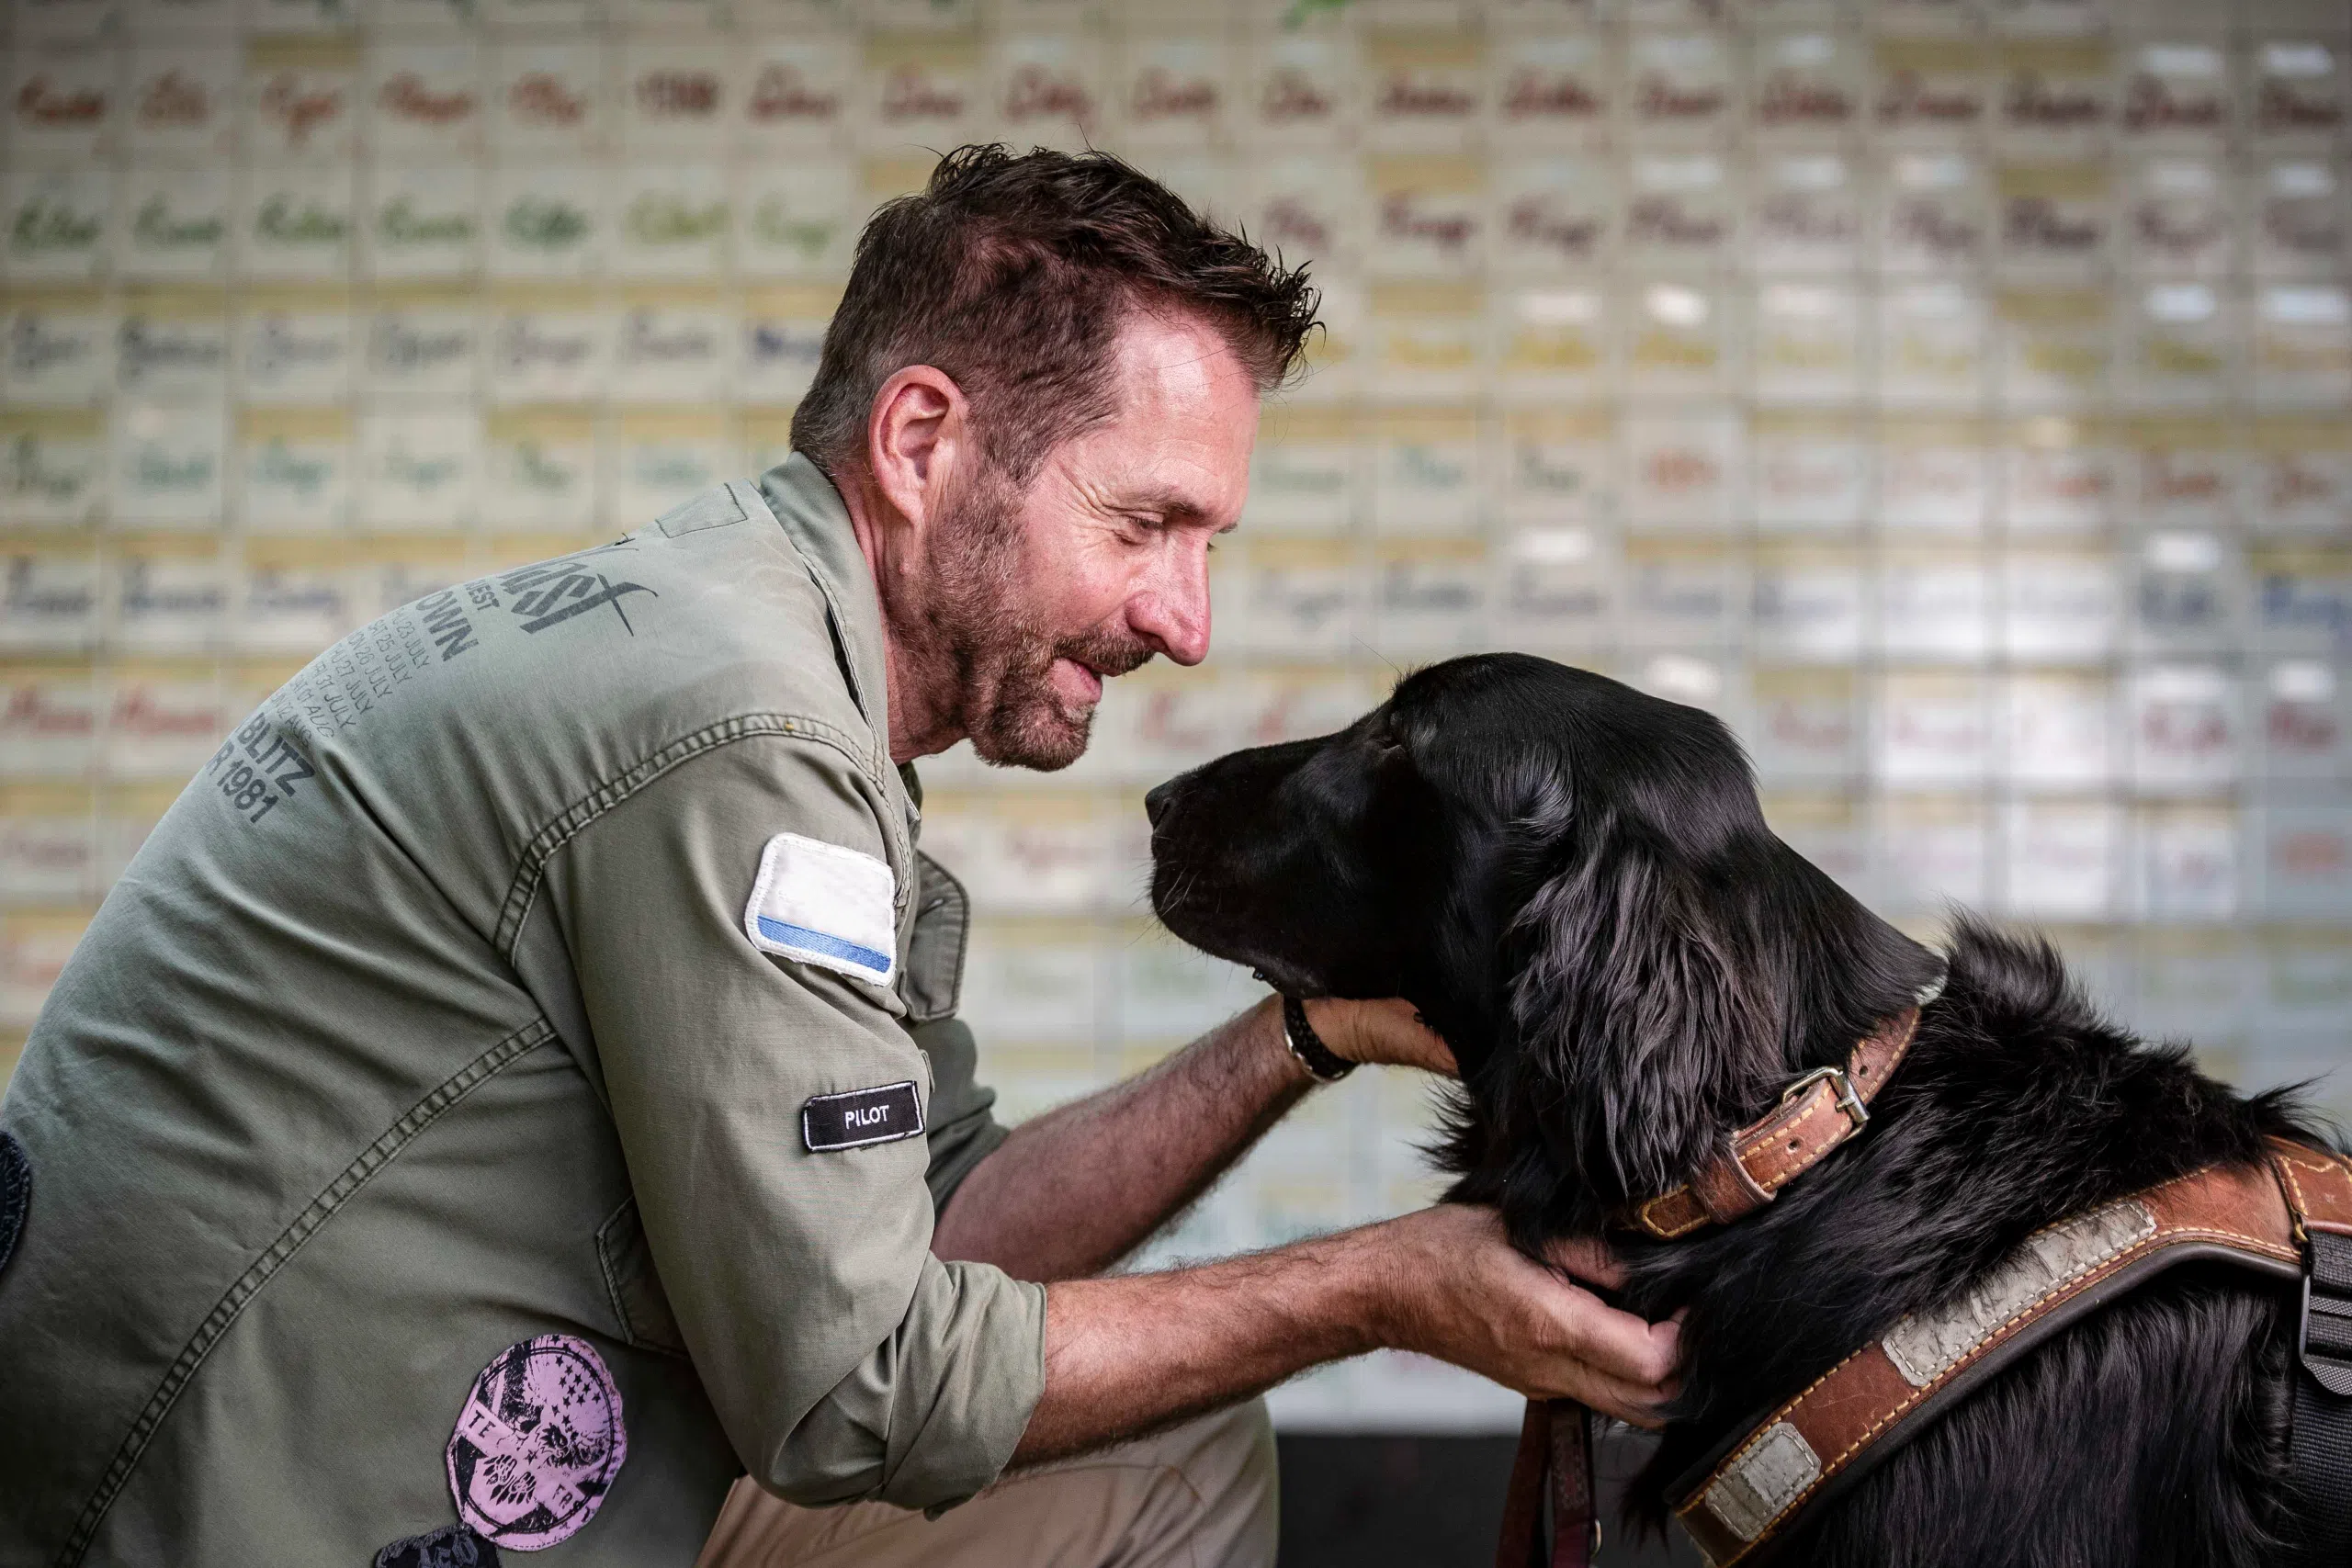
(932, 979)
(637, 1300)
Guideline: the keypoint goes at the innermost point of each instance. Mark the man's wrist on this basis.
(1377, 1287)
(1275, 1036)
(1347, 1284)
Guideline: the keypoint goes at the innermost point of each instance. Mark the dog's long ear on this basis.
(1643, 1024)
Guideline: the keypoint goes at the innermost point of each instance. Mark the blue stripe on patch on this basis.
(830, 946)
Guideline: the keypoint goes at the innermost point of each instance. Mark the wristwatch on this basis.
(1323, 1064)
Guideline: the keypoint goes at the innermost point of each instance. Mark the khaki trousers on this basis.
(1201, 1496)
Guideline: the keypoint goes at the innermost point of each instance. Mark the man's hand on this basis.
(1389, 1032)
(1469, 1297)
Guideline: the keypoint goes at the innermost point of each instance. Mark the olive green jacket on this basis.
(427, 1023)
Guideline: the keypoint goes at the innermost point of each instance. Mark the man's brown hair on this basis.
(1011, 272)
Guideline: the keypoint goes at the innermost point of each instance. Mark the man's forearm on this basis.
(1129, 1354)
(1072, 1191)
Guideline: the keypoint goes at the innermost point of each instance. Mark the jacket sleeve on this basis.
(844, 1361)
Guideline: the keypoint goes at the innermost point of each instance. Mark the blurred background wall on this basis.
(1955, 396)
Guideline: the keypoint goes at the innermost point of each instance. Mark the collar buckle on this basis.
(1848, 1101)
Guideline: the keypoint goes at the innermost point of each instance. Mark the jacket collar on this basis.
(817, 522)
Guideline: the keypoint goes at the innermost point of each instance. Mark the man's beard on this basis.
(998, 655)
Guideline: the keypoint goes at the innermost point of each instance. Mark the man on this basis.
(517, 1091)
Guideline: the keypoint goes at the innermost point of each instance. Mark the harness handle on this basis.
(1552, 1471)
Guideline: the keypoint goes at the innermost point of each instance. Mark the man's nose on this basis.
(1156, 803)
(1174, 612)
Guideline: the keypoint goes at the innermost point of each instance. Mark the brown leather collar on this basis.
(1815, 1114)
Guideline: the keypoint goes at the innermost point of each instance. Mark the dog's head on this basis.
(1574, 883)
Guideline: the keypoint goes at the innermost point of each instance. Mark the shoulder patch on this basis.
(821, 904)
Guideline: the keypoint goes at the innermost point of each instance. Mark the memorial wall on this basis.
(1956, 397)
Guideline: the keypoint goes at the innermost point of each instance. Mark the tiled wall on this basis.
(1957, 397)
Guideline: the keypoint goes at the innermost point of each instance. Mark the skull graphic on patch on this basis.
(537, 1444)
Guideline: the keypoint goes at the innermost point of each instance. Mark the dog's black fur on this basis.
(1574, 884)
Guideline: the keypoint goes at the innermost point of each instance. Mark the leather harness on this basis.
(2289, 1219)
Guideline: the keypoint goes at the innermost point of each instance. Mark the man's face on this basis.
(1043, 593)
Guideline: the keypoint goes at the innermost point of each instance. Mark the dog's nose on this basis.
(1156, 803)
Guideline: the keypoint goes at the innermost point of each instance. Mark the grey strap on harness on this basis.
(2320, 1458)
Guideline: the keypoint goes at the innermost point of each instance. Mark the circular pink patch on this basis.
(537, 1444)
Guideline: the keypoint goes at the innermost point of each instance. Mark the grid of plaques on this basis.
(1956, 395)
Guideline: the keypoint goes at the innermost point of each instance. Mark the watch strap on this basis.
(1322, 1063)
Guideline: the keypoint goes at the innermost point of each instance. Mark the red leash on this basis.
(1553, 1466)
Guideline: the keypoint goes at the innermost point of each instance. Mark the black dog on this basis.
(1574, 884)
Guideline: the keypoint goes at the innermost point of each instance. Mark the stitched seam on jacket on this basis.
(234, 1300)
(567, 824)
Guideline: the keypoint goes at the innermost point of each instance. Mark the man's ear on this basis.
(918, 432)
(1635, 1029)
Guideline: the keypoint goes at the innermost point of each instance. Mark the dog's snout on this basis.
(1156, 803)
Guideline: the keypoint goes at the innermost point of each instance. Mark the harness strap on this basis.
(1554, 1465)
(2321, 1453)
(1815, 1114)
(1739, 1501)
(2320, 1377)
